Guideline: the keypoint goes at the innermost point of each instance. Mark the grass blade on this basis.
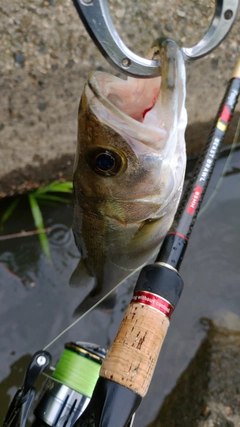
(63, 186)
(39, 224)
(56, 186)
(8, 212)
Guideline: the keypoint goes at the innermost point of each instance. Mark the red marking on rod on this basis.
(154, 301)
(194, 200)
(179, 234)
(225, 114)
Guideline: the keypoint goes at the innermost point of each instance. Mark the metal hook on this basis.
(96, 18)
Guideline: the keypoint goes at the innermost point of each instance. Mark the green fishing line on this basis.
(77, 372)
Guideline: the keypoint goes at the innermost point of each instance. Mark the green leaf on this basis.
(63, 186)
(39, 224)
(45, 245)
(8, 212)
(36, 213)
(56, 186)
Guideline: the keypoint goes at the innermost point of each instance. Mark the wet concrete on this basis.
(45, 56)
(37, 303)
(207, 394)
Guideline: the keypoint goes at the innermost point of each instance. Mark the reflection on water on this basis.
(37, 302)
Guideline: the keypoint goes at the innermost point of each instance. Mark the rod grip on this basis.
(133, 355)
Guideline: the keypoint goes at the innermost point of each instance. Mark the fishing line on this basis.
(76, 321)
(219, 183)
(88, 311)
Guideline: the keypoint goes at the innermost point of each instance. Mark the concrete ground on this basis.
(207, 393)
(45, 56)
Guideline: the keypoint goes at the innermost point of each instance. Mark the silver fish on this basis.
(129, 171)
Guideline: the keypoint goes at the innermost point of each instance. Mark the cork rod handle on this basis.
(133, 355)
(134, 352)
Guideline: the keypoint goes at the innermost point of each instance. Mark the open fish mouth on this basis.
(132, 107)
(135, 98)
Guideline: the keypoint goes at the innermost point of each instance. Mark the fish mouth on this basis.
(134, 97)
(132, 107)
(150, 111)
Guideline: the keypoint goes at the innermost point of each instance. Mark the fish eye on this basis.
(106, 162)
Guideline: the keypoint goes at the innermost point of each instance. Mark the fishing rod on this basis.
(175, 243)
(122, 376)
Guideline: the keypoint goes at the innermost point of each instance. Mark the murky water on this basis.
(37, 302)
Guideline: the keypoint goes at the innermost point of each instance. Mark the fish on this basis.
(128, 172)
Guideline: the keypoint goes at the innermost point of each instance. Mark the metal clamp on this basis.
(97, 21)
(224, 18)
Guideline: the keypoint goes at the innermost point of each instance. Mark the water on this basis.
(37, 302)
